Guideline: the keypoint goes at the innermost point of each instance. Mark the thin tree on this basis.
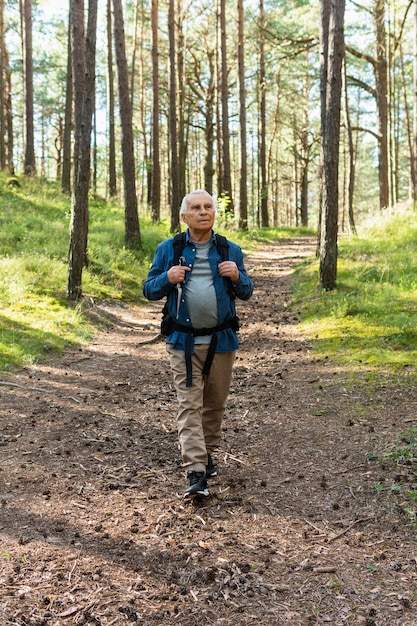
(29, 159)
(333, 14)
(156, 165)
(243, 190)
(66, 148)
(132, 229)
(182, 134)
(203, 86)
(381, 76)
(414, 152)
(83, 56)
(2, 91)
(9, 117)
(262, 113)
(325, 7)
(111, 127)
(6, 118)
(143, 105)
(173, 136)
(226, 185)
(351, 154)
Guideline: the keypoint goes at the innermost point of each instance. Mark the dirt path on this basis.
(293, 532)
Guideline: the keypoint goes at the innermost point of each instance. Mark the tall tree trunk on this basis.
(132, 230)
(414, 154)
(409, 131)
(226, 187)
(29, 162)
(182, 135)
(325, 9)
(83, 55)
(173, 137)
(243, 191)
(156, 165)
(9, 120)
(112, 138)
(209, 125)
(6, 118)
(66, 151)
(305, 153)
(381, 76)
(3, 133)
(262, 114)
(351, 155)
(331, 138)
(142, 112)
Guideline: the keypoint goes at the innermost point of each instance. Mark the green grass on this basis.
(36, 319)
(370, 320)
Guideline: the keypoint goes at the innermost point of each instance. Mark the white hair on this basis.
(185, 199)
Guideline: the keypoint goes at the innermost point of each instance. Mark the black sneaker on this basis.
(211, 471)
(197, 485)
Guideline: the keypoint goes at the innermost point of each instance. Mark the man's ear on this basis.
(184, 217)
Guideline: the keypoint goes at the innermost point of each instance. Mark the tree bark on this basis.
(243, 190)
(29, 162)
(182, 130)
(132, 230)
(66, 151)
(112, 138)
(351, 156)
(83, 55)
(2, 91)
(381, 76)
(263, 192)
(226, 186)
(156, 166)
(173, 136)
(330, 147)
(414, 153)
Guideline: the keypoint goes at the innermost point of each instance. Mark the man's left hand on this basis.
(229, 269)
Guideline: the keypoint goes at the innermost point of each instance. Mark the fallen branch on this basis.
(343, 532)
(8, 384)
(5, 383)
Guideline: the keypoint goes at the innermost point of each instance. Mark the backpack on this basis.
(179, 242)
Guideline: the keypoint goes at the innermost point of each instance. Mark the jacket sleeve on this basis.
(157, 284)
(243, 288)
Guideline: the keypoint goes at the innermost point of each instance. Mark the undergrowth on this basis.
(370, 320)
(35, 317)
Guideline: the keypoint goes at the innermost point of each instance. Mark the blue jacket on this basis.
(157, 286)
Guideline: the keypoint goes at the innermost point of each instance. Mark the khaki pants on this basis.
(201, 407)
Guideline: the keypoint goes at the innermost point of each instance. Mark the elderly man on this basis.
(201, 338)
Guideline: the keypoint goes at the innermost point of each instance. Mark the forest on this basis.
(301, 118)
(226, 97)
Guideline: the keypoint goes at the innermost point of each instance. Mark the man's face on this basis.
(200, 212)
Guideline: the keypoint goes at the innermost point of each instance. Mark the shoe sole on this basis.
(204, 493)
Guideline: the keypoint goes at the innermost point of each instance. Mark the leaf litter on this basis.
(93, 526)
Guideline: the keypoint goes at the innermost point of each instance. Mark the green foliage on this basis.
(371, 319)
(408, 448)
(35, 316)
(400, 465)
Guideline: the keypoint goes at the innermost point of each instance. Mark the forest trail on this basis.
(92, 523)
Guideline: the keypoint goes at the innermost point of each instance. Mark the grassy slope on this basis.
(370, 320)
(35, 317)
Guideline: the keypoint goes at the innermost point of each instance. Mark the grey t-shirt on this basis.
(200, 294)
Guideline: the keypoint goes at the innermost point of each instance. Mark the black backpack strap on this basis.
(179, 244)
(222, 246)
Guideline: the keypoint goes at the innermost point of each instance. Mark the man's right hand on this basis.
(176, 274)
